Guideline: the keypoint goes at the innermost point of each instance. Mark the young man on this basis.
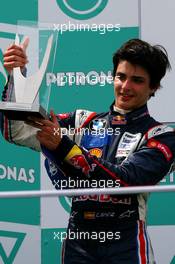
(123, 147)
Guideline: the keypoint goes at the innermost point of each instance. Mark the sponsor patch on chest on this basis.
(96, 152)
(128, 143)
(97, 124)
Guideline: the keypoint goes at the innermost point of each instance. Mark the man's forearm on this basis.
(17, 132)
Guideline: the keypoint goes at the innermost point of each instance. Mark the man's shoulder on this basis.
(157, 127)
(79, 117)
(83, 117)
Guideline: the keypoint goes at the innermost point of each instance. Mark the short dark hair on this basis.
(154, 59)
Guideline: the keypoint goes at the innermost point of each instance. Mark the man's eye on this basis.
(138, 80)
(120, 77)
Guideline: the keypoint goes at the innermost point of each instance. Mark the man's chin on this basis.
(124, 106)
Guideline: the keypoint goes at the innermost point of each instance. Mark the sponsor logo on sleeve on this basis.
(152, 143)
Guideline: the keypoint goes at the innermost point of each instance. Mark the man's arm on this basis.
(147, 166)
(16, 131)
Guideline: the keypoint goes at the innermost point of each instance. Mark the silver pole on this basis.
(76, 192)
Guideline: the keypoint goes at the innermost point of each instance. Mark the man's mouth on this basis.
(126, 96)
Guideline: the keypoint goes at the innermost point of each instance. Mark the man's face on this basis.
(131, 86)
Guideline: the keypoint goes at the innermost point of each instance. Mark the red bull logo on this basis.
(80, 162)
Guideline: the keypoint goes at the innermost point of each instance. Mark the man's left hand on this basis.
(49, 133)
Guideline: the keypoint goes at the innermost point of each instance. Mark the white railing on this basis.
(76, 192)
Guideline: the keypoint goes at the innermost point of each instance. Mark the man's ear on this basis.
(152, 92)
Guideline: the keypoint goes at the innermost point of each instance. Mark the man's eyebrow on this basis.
(138, 77)
(132, 76)
(120, 73)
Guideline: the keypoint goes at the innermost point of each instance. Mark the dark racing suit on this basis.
(122, 150)
(115, 150)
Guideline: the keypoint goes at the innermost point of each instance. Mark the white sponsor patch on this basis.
(52, 168)
(81, 116)
(128, 144)
(158, 130)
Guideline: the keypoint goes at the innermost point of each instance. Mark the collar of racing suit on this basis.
(130, 116)
(121, 111)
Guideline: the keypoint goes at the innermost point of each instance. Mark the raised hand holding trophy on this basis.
(26, 89)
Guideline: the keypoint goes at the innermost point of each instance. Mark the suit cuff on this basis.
(67, 149)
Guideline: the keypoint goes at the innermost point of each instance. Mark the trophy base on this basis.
(21, 111)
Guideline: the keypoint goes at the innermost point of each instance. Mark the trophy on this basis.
(26, 100)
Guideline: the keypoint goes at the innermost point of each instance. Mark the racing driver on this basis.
(123, 147)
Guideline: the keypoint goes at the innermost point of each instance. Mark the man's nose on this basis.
(126, 85)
